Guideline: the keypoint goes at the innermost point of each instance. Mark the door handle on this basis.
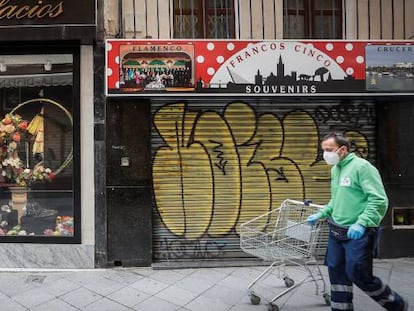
(118, 147)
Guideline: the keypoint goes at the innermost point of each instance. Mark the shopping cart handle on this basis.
(307, 202)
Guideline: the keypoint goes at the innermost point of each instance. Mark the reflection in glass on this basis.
(36, 94)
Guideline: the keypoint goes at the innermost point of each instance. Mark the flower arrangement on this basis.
(14, 131)
(64, 227)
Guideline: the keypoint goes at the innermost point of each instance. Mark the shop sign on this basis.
(135, 67)
(46, 12)
(36, 80)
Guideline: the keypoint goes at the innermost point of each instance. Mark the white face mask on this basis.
(331, 157)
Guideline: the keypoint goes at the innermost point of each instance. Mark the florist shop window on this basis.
(36, 148)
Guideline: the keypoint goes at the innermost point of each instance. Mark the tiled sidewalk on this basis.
(209, 289)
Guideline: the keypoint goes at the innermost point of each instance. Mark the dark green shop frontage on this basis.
(185, 170)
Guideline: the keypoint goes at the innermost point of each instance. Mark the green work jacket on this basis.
(357, 193)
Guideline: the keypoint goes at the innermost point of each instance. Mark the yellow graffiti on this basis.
(212, 132)
(255, 196)
(182, 175)
(216, 171)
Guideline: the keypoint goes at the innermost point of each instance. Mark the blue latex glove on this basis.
(313, 219)
(356, 231)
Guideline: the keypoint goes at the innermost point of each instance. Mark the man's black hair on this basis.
(340, 140)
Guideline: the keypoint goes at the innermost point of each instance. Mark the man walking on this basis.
(357, 206)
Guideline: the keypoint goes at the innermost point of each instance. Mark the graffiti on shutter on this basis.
(215, 167)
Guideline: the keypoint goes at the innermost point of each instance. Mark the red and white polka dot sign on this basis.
(349, 55)
(210, 55)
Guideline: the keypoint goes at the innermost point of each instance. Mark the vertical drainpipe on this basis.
(99, 19)
(135, 19)
(120, 20)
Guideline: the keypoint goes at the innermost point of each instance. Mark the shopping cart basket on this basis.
(283, 238)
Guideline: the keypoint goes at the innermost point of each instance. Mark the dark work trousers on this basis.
(350, 262)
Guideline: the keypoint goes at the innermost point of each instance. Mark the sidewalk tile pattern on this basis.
(202, 289)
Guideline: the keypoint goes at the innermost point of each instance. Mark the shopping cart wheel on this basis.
(272, 307)
(327, 298)
(255, 300)
(288, 281)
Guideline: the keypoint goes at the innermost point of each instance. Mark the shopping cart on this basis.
(283, 238)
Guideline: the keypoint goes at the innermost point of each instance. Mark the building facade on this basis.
(212, 113)
(47, 166)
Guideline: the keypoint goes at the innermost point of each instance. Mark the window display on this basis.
(36, 147)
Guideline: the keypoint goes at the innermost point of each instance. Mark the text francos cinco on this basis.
(273, 46)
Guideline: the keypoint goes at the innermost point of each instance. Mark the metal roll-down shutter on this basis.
(220, 162)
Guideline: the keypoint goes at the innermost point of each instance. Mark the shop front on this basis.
(46, 130)
(235, 128)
